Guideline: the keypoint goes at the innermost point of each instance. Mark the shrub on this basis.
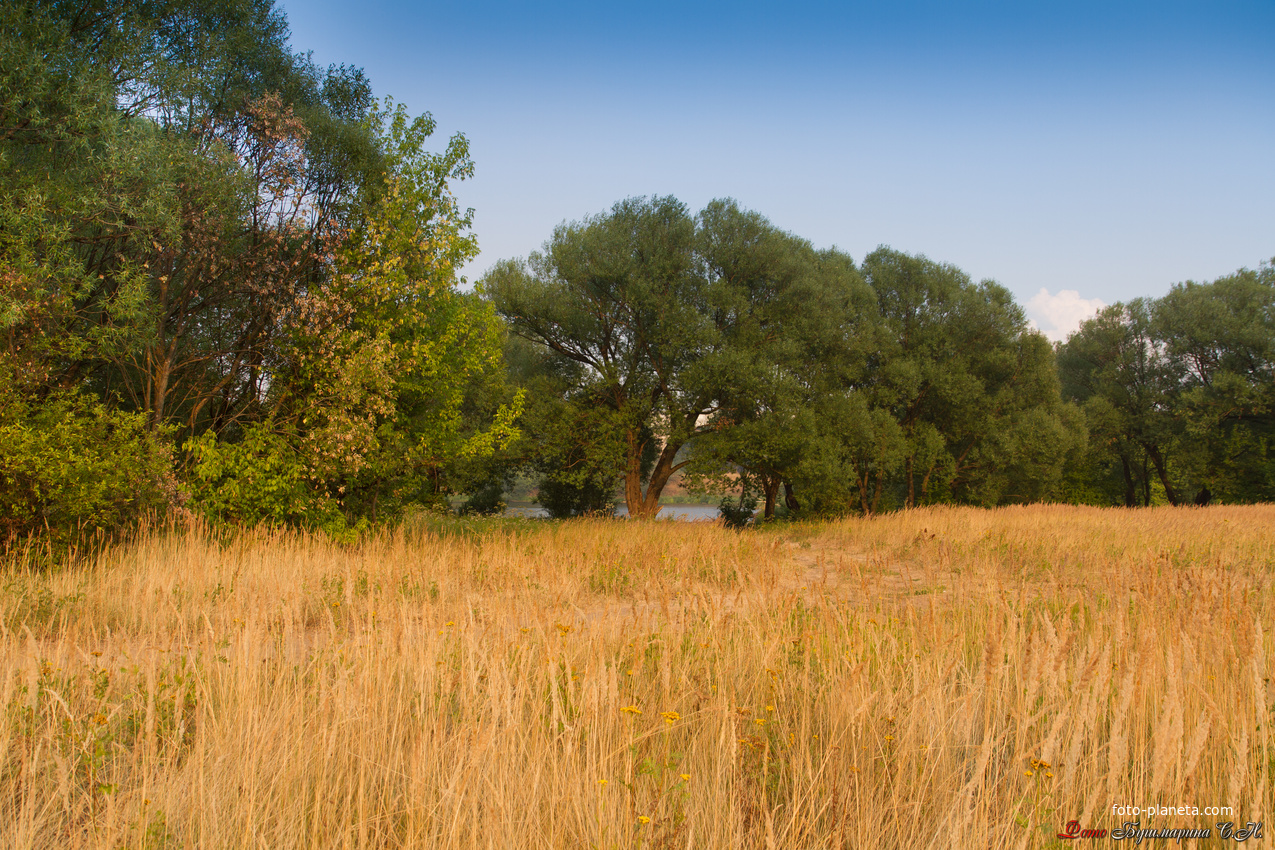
(562, 496)
(738, 514)
(261, 480)
(488, 500)
(70, 468)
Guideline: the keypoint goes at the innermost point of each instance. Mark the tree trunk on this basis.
(770, 487)
(1130, 490)
(911, 485)
(790, 501)
(159, 365)
(1161, 469)
(645, 506)
(863, 493)
(633, 475)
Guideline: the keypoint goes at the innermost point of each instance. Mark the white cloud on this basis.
(1056, 316)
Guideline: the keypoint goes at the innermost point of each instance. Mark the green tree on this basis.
(620, 295)
(165, 202)
(1116, 369)
(971, 387)
(677, 329)
(367, 402)
(1219, 339)
(200, 227)
(797, 324)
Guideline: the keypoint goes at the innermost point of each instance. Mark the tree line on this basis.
(652, 340)
(229, 285)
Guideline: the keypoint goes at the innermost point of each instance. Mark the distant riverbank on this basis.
(688, 513)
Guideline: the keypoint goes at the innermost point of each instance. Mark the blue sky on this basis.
(1075, 152)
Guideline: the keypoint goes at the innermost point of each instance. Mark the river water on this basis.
(686, 513)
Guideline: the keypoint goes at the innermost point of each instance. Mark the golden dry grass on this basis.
(936, 678)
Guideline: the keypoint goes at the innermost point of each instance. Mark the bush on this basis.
(738, 514)
(70, 469)
(488, 500)
(563, 497)
(262, 480)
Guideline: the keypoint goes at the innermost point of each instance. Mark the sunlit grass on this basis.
(936, 678)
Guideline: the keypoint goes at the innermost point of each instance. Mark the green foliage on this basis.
(657, 329)
(571, 442)
(247, 251)
(800, 333)
(972, 388)
(261, 479)
(1178, 395)
(619, 298)
(71, 469)
(579, 453)
(395, 376)
(488, 500)
(738, 513)
(563, 497)
(1113, 368)
(856, 450)
(79, 181)
(1220, 337)
(897, 383)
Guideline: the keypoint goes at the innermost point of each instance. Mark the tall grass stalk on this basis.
(934, 678)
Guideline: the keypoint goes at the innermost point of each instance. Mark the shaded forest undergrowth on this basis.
(935, 677)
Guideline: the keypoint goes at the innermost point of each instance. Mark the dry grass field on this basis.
(936, 678)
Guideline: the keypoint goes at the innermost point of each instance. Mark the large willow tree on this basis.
(620, 297)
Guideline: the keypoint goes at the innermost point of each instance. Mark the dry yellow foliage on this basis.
(934, 678)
